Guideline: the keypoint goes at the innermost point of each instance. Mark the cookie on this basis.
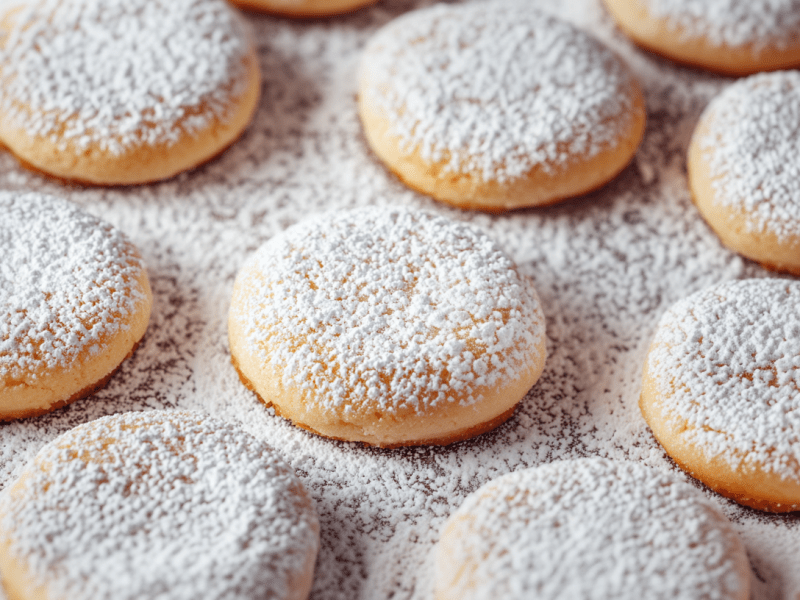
(593, 529)
(720, 390)
(123, 91)
(743, 168)
(495, 105)
(387, 326)
(303, 8)
(734, 37)
(157, 505)
(75, 301)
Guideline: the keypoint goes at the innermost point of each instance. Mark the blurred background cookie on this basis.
(743, 168)
(303, 8)
(123, 91)
(736, 37)
(589, 528)
(159, 504)
(495, 105)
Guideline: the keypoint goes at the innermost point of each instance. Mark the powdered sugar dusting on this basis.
(496, 88)
(392, 307)
(762, 24)
(752, 147)
(119, 74)
(589, 528)
(68, 281)
(605, 267)
(728, 360)
(160, 504)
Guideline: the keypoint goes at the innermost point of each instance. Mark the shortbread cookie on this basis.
(304, 8)
(720, 390)
(74, 303)
(744, 170)
(123, 91)
(736, 37)
(591, 529)
(494, 105)
(387, 326)
(157, 505)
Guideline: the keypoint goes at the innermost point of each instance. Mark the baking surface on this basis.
(606, 266)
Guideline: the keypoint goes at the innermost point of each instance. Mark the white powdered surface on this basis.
(160, 505)
(728, 359)
(752, 148)
(392, 308)
(118, 74)
(761, 24)
(68, 281)
(592, 529)
(496, 89)
(606, 267)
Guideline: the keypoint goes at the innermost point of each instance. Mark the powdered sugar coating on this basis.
(726, 361)
(751, 148)
(605, 268)
(68, 282)
(389, 307)
(761, 24)
(160, 505)
(593, 529)
(119, 74)
(496, 88)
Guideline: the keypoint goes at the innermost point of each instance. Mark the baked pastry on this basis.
(74, 303)
(495, 106)
(387, 326)
(123, 91)
(157, 505)
(743, 168)
(593, 529)
(735, 37)
(304, 8)
(720, 390)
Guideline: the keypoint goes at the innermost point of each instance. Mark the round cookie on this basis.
(496, 106)
(123, 91)
(74, 303)
(387, 326)
(735, 37)
(720, 390)
(591, 529)
(743, 168)
(157, 505)
(304, 8)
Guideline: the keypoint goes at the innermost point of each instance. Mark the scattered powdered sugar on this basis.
(752, 148)
(160, 505)
(389, 306)
(496, 88)
(593, 529)
(727, 362)
(762, 24)
(119, 74)
(68, 281)
(605, 267)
